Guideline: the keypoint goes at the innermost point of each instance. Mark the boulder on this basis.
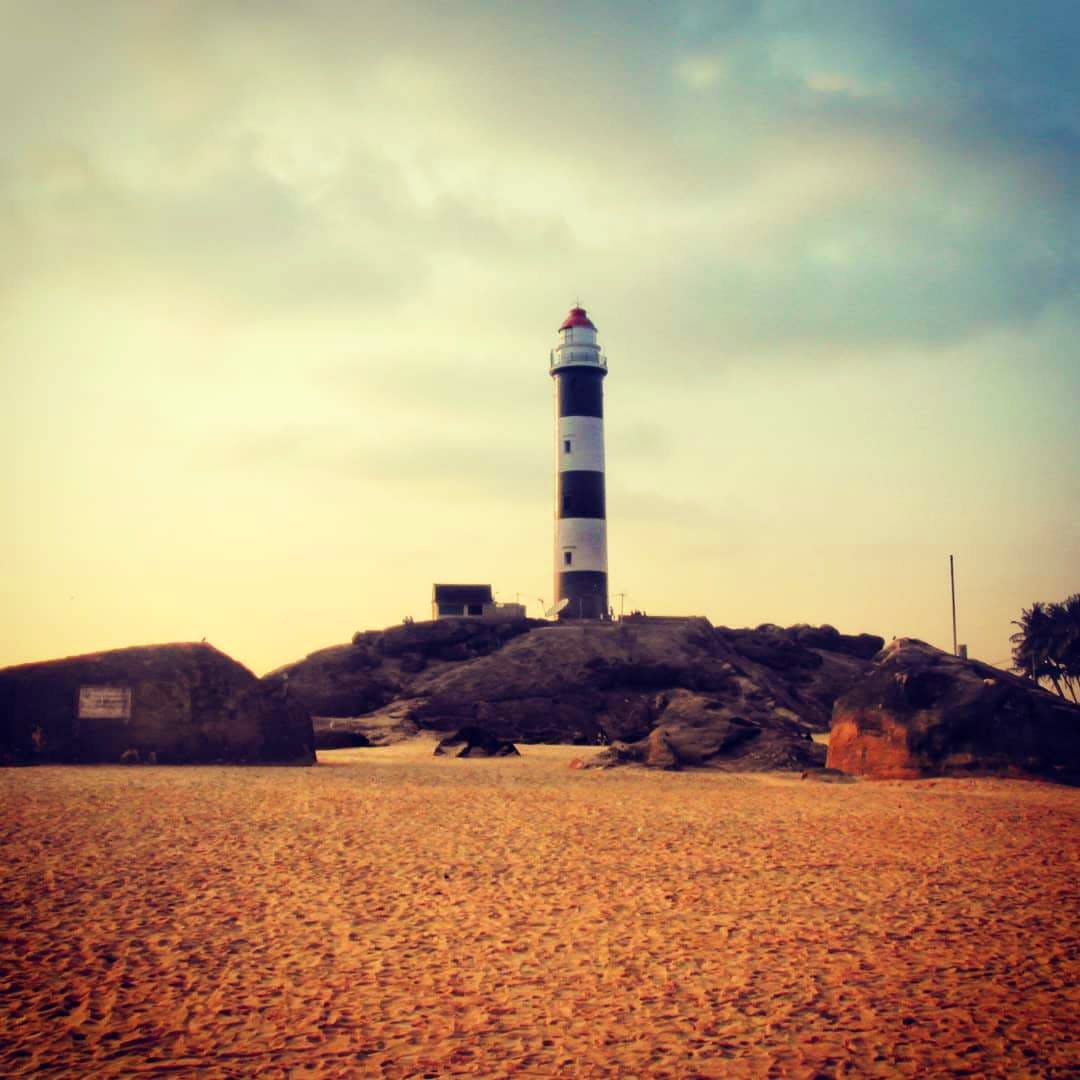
(811, 665)
(169, 704)
(446, 639)
(378, 666)
(391, 724)
(475, 742)
(698, 730)
(658, 753)
(343, 680)
(923, 712)
(828, 639)
(337, 733)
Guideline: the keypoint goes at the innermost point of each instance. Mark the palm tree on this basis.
(1068, 617)
(1047, 644)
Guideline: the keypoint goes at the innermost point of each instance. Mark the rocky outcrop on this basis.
(378, 666)
(698, 730)
(383, 727)
(343, 680)
(582, 683)
(922, 712)
(713, 690)
(815, 664)
(475, 742)
(169, 704)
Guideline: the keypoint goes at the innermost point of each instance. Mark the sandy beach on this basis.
(388, 913)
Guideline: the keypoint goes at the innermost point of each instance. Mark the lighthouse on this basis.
(578, 368)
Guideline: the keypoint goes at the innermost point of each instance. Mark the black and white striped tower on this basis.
(578, 368)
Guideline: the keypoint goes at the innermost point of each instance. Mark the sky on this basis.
(278, 284)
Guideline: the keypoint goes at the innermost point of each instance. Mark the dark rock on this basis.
(829, 639)
(337, 733)
(575, 682)
(188, 703)
(338, 681)
(699, 729)
(455, 653)
(435, 637)
(805, 667)
(694, 730)
(378, 667)
(475, 742)
(773, 751)
(658, 751)
(714, 691)
(391, 724)
(922, 712)
(625, 716)
(775, 651)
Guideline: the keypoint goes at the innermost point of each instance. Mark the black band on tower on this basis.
(581, 392)
(581, 494)
(587, 592)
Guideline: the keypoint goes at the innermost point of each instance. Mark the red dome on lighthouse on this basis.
(577, 317)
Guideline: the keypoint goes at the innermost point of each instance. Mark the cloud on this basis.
(833, 174)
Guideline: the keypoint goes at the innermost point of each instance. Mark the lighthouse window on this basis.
(566, 446)
(568, 557)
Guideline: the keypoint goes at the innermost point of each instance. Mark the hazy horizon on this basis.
(278, 285)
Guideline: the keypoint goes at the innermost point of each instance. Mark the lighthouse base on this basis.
(587, 592)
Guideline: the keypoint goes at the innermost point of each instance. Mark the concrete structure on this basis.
(470, 602)
(504, 611)
(456, 601)
(578, 368)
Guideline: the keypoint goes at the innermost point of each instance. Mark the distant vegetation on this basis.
(1047, 644)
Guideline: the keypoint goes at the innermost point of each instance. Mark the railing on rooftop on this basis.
(573, 357)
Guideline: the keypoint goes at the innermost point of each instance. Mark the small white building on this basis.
(460, 601)
(470, 602)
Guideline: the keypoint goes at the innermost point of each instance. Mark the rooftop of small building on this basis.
(461, 594)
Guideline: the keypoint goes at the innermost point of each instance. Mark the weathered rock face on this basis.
(694, 729)
(815, 664)
(571, 683)
(714, 691)
(379, 665)
(475, 742)
(343, 680)
(383, 727)
(188, 703)
(922, 712)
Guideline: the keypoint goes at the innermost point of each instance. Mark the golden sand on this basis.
(393, 914)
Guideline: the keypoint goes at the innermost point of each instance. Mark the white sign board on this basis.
(104, 702)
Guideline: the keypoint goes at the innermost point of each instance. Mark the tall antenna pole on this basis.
(952, 585)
